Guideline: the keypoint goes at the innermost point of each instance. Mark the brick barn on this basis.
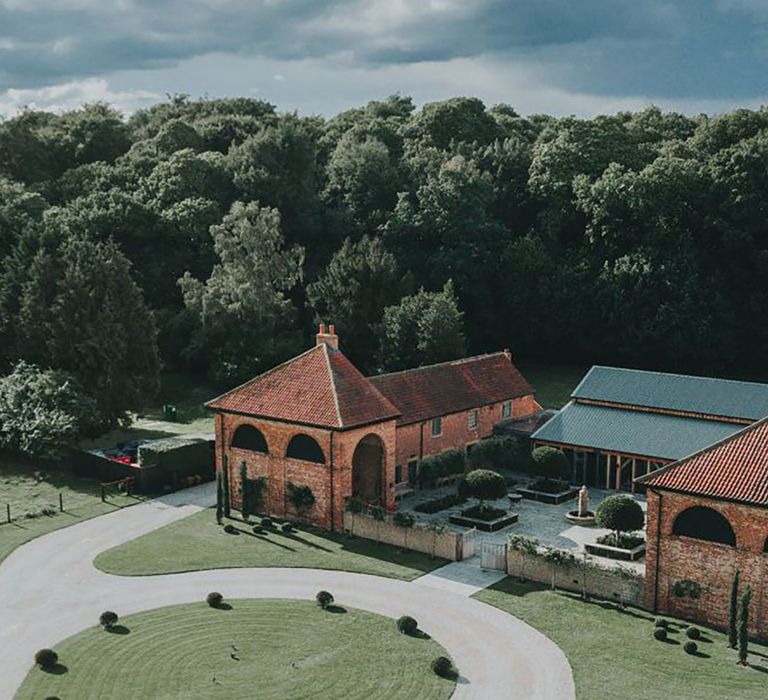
(315, 420)
(625, 423)
(707, 517)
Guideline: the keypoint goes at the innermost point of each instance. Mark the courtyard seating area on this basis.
(543, 522)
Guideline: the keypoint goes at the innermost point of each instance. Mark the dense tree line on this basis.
(211, 235)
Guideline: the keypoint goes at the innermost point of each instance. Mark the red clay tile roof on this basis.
(735, 469)
(320, 387)
(450, 387)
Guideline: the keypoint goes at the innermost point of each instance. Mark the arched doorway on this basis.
(368, 469)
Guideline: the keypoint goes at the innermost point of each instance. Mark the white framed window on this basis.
(506, 409)
(437, 427)
(472, 419)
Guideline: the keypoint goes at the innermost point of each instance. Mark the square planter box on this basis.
(552, 499)
(605, 550)
(484, 525)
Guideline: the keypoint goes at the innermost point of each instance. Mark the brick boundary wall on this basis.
(418, 538)
(597, 581)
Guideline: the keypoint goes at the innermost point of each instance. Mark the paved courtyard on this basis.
(540, 521)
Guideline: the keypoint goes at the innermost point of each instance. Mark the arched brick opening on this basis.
(246, 437)
(706, 524)
(304, 447)
(367, 469)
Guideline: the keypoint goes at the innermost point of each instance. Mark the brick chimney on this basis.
(508, 353)
(328, 337)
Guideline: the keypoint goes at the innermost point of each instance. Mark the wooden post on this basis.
(61, 503)
(608, 471)
(103, 492)
(8, 510)
(634, 473)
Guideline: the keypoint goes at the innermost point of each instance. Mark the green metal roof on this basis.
(632, 432)
(676, 392)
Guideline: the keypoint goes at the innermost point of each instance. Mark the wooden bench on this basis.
(126, 481)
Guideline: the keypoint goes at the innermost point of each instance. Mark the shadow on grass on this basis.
(337, 609)
(700, 655)
(308, 543)
(420, 634)
(755, 667)
(57, 669)
(222, 606)
(118, 629)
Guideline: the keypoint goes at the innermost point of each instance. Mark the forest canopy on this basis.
(211, 236)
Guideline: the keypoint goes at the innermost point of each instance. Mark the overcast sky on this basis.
(322, 56)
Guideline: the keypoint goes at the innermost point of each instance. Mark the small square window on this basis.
(506, 409)
(437, 426)
(472, 420)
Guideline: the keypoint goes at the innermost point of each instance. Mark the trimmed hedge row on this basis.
(444, 464)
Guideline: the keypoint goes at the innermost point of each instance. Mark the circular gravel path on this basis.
(51, 590)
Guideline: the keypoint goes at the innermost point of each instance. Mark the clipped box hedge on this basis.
(184, 456)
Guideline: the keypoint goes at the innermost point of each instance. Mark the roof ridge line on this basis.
(704, 450)
(437, 364)
(260, 376)
(672, 374)
(332, 378)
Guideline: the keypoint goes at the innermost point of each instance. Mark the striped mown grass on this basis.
(266, 649)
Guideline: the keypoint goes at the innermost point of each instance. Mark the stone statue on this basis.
(583, 502)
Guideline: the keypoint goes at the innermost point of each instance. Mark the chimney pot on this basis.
(332, 329)
(321, 329)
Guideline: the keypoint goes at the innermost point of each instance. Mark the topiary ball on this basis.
(46, 658)
(660, 633)
(229, 529)
(660, 622)
(693, 633)
(108, 619)
(286, 528)
(266, 521)
(442, 666)
(214, 599)
(257, 529)
(691, 647)
(407, 625)
(324, 599)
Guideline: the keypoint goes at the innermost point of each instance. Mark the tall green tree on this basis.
(360, 281)
(43, 412)
(744, 625)
(245, 492)
(247, 321)
(733, 612)
(423, 329)
(79, 311)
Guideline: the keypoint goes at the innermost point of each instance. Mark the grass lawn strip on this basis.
(196, 542)
(612, 651)
(82, 500)
(269, 649)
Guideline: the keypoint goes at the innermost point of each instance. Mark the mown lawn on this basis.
(266, 649)
(614, 655)
(553, 383)
(18, 487)
(197, 542)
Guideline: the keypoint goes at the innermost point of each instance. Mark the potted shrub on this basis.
(442, 666)
(324, 599)
(214, 599)
(622, 514)
(484, 484)
(46, 659)
(108, 619)
(407, 625)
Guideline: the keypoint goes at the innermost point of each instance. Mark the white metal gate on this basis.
(468, 544)
(493, 555)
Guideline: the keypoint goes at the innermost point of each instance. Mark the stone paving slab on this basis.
(463, 577)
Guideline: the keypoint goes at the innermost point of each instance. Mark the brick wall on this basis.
(601, 583)
(416, 440)
(417, 538)
(331, 483)
(711, 565)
